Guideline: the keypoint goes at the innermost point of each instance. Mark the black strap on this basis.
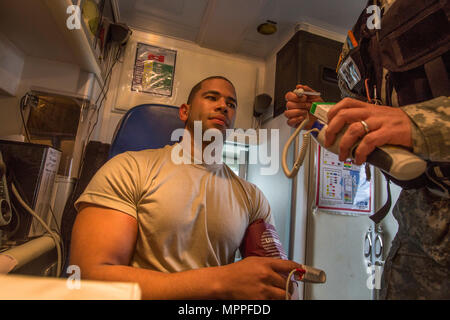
(384, 210)
(437, 77)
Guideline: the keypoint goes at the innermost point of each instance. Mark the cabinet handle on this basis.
(368, 244)
(378, 249)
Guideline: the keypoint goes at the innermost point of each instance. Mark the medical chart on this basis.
(342, 186)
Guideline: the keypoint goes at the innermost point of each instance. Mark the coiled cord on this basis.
(303, 149)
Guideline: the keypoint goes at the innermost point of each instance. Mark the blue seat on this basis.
(146, 126)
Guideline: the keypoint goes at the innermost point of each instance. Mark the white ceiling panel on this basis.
(161, 7)
(230, 25)
(225, 23)
(175, 18)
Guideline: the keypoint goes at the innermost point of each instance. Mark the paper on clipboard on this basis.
(154, 70)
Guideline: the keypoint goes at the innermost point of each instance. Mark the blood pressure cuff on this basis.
(262, 240)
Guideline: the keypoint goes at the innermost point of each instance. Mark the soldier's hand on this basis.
(297, 108)
(386, 125)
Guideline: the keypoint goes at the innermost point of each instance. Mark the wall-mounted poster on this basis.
(342, 186)
(154, 70)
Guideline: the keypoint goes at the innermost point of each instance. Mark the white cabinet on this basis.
(38, 29)
(11, 66)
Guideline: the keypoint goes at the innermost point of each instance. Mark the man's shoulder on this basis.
(258, 204)
(146, 153)
(134, 160)
(249, 188)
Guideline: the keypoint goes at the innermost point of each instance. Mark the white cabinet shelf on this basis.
(38, 28)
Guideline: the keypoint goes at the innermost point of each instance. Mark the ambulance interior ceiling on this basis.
(231, 25)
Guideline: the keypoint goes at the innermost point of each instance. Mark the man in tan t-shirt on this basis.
(174, 227)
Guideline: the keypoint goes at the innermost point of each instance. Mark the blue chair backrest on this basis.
(146, 126)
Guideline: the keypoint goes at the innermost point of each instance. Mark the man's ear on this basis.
(183, 112)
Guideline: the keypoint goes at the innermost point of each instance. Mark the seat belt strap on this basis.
(384, 210)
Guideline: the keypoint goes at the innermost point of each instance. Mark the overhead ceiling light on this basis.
(267, 28)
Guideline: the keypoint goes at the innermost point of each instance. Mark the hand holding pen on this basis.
(298, 103)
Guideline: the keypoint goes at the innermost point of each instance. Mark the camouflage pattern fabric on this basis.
(418, 264)
(431, 129)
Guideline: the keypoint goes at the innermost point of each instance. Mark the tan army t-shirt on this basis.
(189, 215)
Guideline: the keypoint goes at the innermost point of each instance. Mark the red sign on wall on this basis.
(155, 57)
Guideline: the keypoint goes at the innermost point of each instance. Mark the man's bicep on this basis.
(262, 209)
(102, 236)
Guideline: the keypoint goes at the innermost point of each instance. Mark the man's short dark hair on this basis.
(198, 86)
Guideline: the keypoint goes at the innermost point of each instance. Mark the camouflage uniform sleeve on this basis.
(431, 128)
